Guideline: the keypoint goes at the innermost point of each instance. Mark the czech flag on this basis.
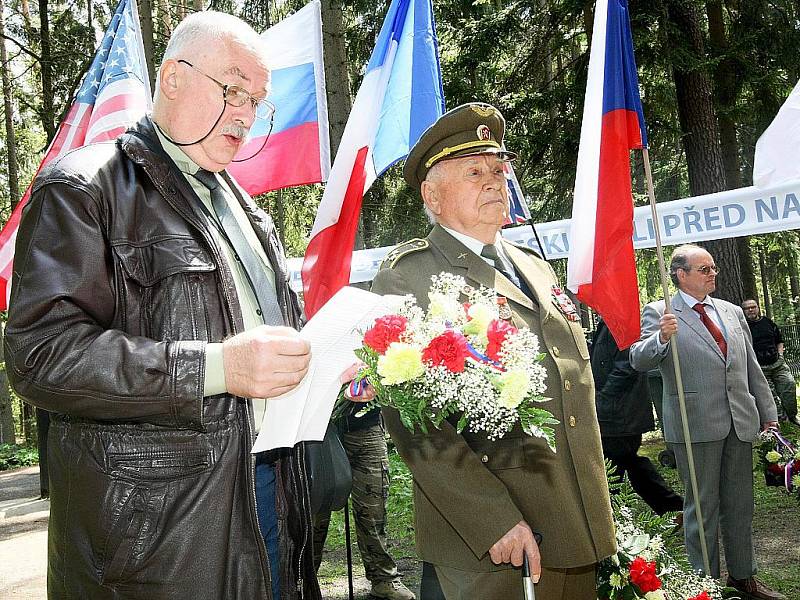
(601, 267)
(400, 97)
(298, 150)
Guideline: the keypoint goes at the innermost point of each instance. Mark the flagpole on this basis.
(676, 362)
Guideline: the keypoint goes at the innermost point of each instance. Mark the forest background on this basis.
(713, 74)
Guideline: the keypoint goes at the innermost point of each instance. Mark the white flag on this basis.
(777, 160)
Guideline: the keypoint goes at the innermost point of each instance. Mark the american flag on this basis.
(115, 93)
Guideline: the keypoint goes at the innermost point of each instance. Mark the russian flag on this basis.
(601, 267)
(400, 97)
(298, 150)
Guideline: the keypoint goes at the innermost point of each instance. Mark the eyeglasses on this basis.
(234, 95)
(706, 269)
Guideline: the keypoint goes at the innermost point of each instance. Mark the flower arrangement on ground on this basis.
(459, 359)
(779, 458)
(650, 563)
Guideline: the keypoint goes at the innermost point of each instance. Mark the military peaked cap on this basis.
(469, 129)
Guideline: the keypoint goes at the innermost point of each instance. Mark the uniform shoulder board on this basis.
(402, 250)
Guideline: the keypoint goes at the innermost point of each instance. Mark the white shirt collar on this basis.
(691, 300)
(476, 245)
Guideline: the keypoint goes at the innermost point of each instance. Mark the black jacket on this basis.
(622, 397)
(118, 285)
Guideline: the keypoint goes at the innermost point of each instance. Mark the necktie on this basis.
(712, 328)
(490, 251)
(254, 267)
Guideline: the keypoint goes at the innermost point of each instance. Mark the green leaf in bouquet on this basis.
(462, 423)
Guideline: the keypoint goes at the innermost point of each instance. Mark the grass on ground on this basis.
(775, 527)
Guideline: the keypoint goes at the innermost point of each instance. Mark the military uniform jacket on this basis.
(470, 491)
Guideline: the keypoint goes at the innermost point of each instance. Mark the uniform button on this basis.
(556, 351)
(571, 421)
(258, 312)
(236, 256)
(568, 385)
(484, 459)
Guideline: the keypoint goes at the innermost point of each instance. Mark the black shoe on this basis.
(666, 458)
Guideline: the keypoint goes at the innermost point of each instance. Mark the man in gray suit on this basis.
(727, 402)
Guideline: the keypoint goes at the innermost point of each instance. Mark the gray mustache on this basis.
(235, 130)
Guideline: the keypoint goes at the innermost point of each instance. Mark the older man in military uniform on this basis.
(478, 501)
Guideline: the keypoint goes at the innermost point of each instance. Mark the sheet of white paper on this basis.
(334, 332)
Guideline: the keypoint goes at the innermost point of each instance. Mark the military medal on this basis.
(503, 309)
(564, 304)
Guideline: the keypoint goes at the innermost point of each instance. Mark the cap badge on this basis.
(484, 133)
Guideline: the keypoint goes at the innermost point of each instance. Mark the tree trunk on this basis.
(146, 20)
(47, 115)
(11, 140)
(700, 134)
(89, 15)
(337, 83)
(337, 80)
(762, 264)
(727, 90)
(197, 4)
(6, 413)
(164, 18)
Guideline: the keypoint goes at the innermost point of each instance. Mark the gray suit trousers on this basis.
(724, 471)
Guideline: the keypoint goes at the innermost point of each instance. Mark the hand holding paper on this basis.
(333, 333)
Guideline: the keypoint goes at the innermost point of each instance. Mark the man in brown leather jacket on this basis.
(150, 304)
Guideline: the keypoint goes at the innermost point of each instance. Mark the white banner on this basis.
(734, 213)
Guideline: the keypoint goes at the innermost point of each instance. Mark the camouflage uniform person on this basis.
(364, 441)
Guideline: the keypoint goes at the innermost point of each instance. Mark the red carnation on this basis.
(386, 330)
(497, 332)
(701, 596)
(448, 349)
(775, 468)
(643, 574)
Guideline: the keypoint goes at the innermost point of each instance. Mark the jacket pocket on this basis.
(168, 283)
(159, 465)
(149, 262)
(498, 455)
(140, 488)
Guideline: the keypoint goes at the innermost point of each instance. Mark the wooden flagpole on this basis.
(676, 363)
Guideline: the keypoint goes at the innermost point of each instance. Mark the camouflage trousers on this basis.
(369, 460)
(783, 388)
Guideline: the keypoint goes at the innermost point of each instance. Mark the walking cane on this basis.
(527, 582)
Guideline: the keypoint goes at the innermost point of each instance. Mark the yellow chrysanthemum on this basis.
(773, 456)
(655, 595)
(514, 387)
(401, 363)
(480, 315)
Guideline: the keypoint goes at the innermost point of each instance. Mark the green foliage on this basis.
(13, 456)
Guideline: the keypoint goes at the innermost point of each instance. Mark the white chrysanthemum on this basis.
(514, 387)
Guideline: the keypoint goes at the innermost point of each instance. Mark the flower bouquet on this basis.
(650, 563)
(458, 359)
(780, 460)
